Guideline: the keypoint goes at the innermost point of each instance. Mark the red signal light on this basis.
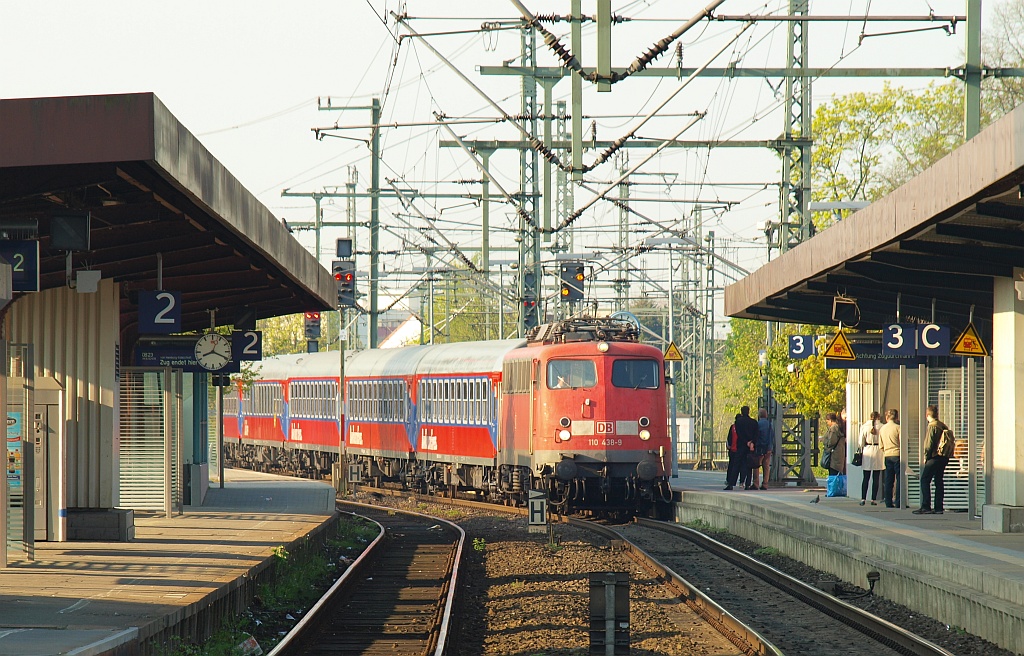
(313, 316)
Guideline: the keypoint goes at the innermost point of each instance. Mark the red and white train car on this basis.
(578, 409)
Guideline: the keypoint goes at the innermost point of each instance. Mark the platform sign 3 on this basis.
(801, 347)
(246, 345)
(538, 508)
(933, 339)
(159, 312)
(23, 256)
(900, 339)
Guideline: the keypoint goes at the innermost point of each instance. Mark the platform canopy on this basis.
(151, 190)
(939, 240)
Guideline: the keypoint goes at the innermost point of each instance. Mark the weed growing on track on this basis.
(704, 527)
(767, 551)
(295, 585)
(479, 544)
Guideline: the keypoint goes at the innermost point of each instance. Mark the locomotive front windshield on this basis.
(636, 374)
(571, 374)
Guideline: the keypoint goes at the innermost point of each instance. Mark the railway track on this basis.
(803, 620)
(741, 597)
(397, 598)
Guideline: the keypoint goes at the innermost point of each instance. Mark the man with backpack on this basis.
(939, 445)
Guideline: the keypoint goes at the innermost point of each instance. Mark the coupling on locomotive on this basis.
(578, 409)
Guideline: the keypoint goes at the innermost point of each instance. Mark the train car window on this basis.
(571, 374)
(636, 374)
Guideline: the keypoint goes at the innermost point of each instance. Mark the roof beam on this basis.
(1008, 256)
(997, 236)
(1001, 211)
(915, 262)
(884, 273)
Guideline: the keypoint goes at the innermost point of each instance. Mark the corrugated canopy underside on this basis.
(151, 188)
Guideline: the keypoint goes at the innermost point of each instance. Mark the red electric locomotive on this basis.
(578, 409)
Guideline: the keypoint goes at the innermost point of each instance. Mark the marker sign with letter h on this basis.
(538, 511)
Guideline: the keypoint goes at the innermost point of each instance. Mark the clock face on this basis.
(213, 351)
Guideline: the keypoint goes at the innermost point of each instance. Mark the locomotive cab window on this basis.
(636, 374)
(571, 374)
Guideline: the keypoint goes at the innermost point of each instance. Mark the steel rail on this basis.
(871, 625)
(439, 633)
(734, 630)
(356, 565)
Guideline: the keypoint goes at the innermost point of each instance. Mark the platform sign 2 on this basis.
(801, 347)
(159, 312)
(246, 345)
(23, 256)
(900, 339)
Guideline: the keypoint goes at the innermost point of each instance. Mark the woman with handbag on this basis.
(833, 457)
(871, 459)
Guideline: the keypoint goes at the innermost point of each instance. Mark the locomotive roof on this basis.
(460, 357)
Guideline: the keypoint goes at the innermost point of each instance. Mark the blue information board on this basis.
(801, 347)
(175, 352)
(159, 313)
(900, 339)
(23, 256)
(246, 345)
(933, 339)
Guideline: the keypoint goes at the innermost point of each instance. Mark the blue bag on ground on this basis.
(836, 486)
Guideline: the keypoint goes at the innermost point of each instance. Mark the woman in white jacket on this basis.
(872, 459)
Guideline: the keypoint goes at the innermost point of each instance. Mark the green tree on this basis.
(868, 143)
(1003, 45)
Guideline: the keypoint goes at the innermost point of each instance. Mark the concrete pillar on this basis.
(1004, 511)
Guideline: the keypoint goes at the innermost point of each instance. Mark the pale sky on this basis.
(245, 78)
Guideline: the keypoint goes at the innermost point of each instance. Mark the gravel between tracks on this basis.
(521, 598)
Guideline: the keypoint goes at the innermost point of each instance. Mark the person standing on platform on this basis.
(835, 445)
(733, 444)
(764, 448)
(872, 459)
(746, 428)
(889, 436)
(934, 465)
(842, 421)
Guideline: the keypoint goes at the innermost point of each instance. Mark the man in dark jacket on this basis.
(746, 429)
(734, 455)
(934, 466)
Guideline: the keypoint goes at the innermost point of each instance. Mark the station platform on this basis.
(90, 598)
(943, 566)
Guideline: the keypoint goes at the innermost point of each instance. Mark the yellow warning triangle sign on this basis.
(672, 353)
(839, 348)
(969, 343)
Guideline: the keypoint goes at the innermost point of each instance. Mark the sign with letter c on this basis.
(933, 339)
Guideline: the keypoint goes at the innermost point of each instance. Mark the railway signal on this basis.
(345, 274)
(573, 276)
(529, 312)
(312, 325)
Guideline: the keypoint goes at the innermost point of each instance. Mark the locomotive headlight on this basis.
(602, 347)
(564, 422)
(645, 435)
(645, 422)
(564, 435)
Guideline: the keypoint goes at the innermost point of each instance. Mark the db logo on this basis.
(605, 428)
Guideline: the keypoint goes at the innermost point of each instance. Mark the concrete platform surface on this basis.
(944, 566)
(87, 598)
